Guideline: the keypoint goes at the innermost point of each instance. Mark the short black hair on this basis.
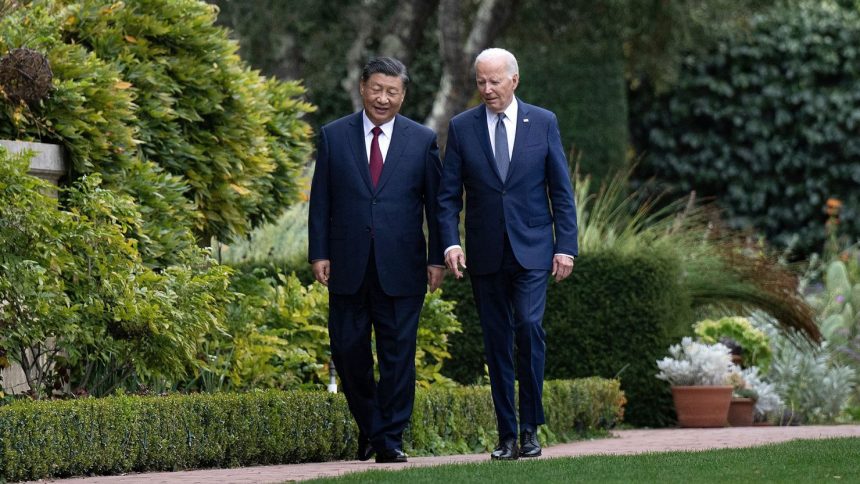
(388, 66)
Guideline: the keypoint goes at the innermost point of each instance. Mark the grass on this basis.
(830, 460)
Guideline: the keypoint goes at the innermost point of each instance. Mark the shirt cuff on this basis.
(568, 255)
(449, 249)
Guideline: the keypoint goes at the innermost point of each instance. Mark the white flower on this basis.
(693, 363)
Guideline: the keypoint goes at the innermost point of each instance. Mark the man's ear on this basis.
(516, 79)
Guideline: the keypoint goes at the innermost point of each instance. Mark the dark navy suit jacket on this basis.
(347, 213)
(534, 205)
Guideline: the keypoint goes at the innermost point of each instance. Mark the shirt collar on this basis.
(387, 128)
(510, 112)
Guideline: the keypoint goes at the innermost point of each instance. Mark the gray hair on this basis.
(496, 53)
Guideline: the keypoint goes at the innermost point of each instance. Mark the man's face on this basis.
(495, 84)
(382, 96)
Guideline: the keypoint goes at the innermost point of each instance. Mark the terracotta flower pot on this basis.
(702, 406)
(741, 412)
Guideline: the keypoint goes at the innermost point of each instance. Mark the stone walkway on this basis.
(624, 442)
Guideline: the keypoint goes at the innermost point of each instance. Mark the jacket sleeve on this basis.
(431, 205)
(451, 192)
(561, 194)
(319, 212)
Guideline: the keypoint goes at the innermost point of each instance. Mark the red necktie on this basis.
(375, 156)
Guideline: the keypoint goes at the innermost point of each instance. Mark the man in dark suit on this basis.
(520, 228)
(376, 177)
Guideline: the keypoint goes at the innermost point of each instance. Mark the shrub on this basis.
(276, 337)
(814, 385)
(153, 95)
(76, 291)
(131, 433)
(765, 122)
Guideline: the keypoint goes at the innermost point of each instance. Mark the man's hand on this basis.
(562, 266)
(454, 259)
(435, 274)
(321, 270)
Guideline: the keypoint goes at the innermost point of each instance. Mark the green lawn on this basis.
(833, 460)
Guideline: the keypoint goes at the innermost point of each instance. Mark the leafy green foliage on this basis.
(276, 336)
(282, 243)
(755, 347)
(153, 95)
(131, 433)
(76, 291)
(765, 123)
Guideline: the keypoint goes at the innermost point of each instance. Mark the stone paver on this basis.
(623, 442)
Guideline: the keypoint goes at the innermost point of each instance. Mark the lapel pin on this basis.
(525, 120)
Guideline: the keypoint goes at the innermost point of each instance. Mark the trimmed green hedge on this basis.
(136, 434)
(614, 317)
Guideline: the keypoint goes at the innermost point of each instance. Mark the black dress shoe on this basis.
(529, 445)
(390, 455)
(506, 450)
(365, 448)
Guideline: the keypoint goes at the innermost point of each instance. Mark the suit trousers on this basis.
(382, 410)
(510, 305)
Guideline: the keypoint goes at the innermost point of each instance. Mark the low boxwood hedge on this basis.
(145, 433)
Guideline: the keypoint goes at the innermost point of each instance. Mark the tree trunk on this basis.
(406, 29)
(457, 84)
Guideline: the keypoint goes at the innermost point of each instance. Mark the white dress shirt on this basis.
(384, 136)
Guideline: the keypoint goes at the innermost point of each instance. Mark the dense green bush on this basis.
(130, 433)
(765, 121)
(152, 95)
(76, 291)
(276, 337)
(613, 317)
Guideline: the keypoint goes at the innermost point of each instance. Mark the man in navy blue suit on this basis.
(520, 229)
(376, 178)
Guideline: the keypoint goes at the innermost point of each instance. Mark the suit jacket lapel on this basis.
(399, 138)
(483, 135)
(359, 151)
(521, 135)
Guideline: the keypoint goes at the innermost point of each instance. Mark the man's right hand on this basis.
(454, 259)
(321, 270)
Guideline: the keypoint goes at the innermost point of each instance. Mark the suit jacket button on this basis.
(367, 229)
(504, 192)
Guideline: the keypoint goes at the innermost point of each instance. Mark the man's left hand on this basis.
(562, 266)
(435, 276)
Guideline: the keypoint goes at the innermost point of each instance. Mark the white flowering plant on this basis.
(697, 364)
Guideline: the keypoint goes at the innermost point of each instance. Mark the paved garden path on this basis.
(623, 442)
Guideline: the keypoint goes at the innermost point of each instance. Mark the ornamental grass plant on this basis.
(722, 273)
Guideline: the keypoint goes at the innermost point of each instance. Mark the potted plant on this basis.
(700, 375)
(744, 397)
(748, 344)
